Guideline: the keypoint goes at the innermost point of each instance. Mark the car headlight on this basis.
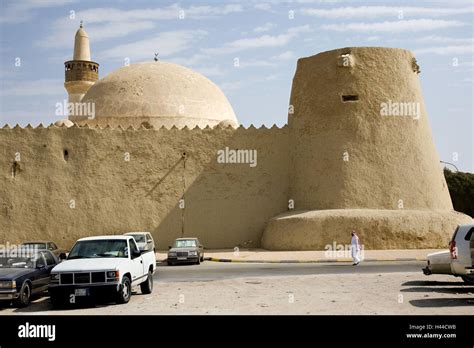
(172, 253)
(55, 277)
(113, 274)
(193, 253)
(7, 284)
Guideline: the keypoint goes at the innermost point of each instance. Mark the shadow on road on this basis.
(443, 302)
(431, 283)
(457, 290)
(35, 299)
(437, 287)
(42, 304)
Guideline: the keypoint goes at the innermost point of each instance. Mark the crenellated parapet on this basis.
(146, 127)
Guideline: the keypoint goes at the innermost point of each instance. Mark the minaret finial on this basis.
(81, 24)
(156, 57)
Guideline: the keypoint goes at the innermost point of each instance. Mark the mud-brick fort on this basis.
(147, 160)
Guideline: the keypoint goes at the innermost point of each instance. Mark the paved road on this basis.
(237, 288)
(209, 271)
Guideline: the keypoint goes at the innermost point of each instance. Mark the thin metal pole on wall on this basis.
(182, 197)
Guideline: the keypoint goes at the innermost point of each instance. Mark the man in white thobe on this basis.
(355, 248)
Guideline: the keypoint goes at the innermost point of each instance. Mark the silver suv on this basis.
(461, 249)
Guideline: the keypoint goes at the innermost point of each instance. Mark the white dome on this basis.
(160, 93)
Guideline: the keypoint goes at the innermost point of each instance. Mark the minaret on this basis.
(81, 72)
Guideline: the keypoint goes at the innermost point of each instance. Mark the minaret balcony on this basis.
(79, 70)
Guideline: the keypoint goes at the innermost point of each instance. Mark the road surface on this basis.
(238, 288)
(209, 271)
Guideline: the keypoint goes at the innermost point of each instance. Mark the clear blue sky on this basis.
(261, 34)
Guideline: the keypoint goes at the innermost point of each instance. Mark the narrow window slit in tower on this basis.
(66, 154)
(350, 98)
(15, 168)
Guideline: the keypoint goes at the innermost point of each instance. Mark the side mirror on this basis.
(40, 266)
(62, 256)
(149, 242)
(136, 254)
(169, 247)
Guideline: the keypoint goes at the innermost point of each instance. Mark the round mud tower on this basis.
(360, 133)
(362, 156)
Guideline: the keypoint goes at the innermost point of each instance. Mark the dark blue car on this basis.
(25, 274)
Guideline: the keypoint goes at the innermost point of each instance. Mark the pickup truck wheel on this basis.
(124, 294)
(25, 294)
(147, 286)
(170, 263)
(202, 258)
(468, 279)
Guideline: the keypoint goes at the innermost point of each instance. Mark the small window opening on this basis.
(66, 154)
(350, 98)
(15, 168)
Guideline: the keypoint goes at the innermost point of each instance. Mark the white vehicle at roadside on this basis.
(461, 250)
(458, 260)
(104, 265)
(144, 240)
(438, 263)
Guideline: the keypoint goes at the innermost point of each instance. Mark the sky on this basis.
(248, 48)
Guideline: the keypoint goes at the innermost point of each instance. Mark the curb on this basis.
(213, 259)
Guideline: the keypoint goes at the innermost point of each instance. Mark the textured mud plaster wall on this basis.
(390, 158)
(377, 228)
(354, 168)
(225, 204)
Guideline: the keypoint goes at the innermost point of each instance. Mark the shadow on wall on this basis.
(225, 204)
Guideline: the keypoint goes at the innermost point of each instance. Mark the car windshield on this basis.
(41, 246)
(139, 238)
(185, 243)
(99, 248)
(17, 262)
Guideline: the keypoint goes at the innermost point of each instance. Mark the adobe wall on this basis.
(356, 166)
(391, 161)
(226, 205)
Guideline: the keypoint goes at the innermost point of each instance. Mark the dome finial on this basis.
(81, 24)
(156, 57)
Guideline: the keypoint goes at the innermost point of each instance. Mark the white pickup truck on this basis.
(104, 265)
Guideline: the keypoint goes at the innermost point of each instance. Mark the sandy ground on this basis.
(385, 293)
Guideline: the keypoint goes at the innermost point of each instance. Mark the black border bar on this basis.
(213, 330)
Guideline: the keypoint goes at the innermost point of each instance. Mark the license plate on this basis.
(81, 292)
(182, 258)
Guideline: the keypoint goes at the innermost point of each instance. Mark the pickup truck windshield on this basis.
(187, 243)
(99, 248)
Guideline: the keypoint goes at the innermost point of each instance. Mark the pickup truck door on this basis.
(137, 263)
